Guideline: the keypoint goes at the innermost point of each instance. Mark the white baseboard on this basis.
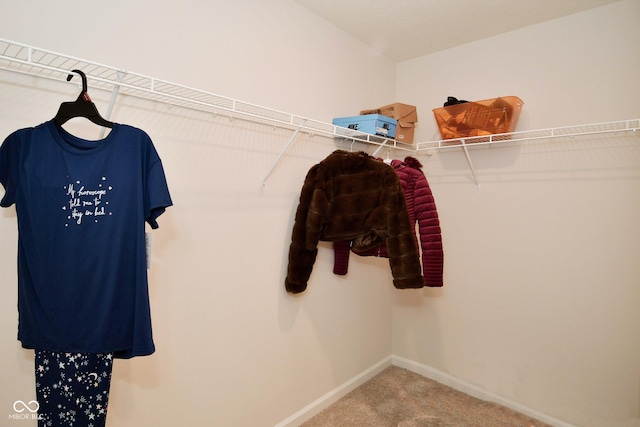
(334, 395)
(472, 390)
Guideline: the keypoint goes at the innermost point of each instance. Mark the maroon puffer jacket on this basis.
(422, 209)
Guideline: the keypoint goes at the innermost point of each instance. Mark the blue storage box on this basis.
(375, 124)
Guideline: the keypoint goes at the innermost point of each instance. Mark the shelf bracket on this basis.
(384, 143)
(473, 171)
(284, 150)
(112, 102)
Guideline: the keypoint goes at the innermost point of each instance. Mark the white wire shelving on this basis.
(25, 59)
(529, 135)
(617, 127)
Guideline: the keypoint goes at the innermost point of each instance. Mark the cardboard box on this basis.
(406, 116)
(400, 112)
(375, 124)
(404, 132)
(486, 117)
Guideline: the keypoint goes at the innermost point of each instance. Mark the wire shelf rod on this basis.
(34, 61)
(632, 125)
(25, 59)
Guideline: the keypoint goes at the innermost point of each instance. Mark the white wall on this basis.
(541, 272)
(542, 279)
(233, 349)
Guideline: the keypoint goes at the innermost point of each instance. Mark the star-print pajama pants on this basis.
(72, 388)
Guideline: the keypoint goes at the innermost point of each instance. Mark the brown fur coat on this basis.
(352, 196)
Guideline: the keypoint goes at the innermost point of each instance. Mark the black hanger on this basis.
(81, 107)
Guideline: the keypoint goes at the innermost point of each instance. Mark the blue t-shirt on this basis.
(81, 209)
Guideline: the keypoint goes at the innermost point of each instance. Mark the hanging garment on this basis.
(72, 388)
(422, 210)
(352, 196)
(81, 207)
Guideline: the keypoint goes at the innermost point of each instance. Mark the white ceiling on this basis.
(405, 29)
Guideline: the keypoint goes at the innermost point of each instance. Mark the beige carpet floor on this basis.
(397, 397)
